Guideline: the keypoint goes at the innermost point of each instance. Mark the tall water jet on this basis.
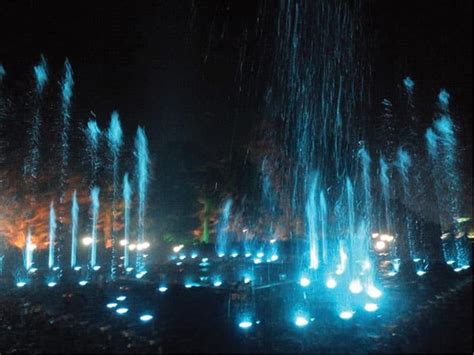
(30, 168)
(29, 248)
(142, 157)
(403, 164)
(93, 133)
(222, 237)
(351, 227)
(95, 205)
(52, 236)
(74, 228)
(67, 84)
(127, 197)
(311, 222)
(114, 139)
(323, 223)
(269, 203)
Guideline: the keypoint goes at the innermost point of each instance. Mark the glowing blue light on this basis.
(204, 260)
(140, 274)
(355, 287)
(163, 289)
(77, 268)
(248, 255)
(83, 283)
(129, 269)
(391, 273)
(20, 284)
(146, 317)
(245, 324)
(420, 272)
(188, 285)
(346, 315)
(234, 254)
(247, 279)
(33, 270)
(274, 258)
(257, 261)
(97, 267)
(374, 292)
(56, 268)
(416, 260)
(121, 310)
(305, 282)
(301, 321)
(182, 257)
(465, 267)
(179, 263)
(111, 305)
(458, 269)
(194, 255)
(260, 254)
(331, 282)
(217, 283)
(121, 298)
(51, 284)
(371, 307)
(450, 262)
(221, 255)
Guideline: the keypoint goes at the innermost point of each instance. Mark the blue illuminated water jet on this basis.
(74, 228)
(127, 196)
(52, 236)
(222, 238)
(95, 205)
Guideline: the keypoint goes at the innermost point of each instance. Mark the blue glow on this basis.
(409, 84)
(77, 268)
(194, 255)
(245, 324)
(52, 235)
(74, 227)
(371, 307)
(217, 283)
(234, 254)
(95, 205)
(355, 287)
(420, 272)
(121, 310)
(82, 283)
(146, 317)
(248, 255)
(222, 229)
(331, 282)
(20, 284)
(274, 258)
(52, 284)
(301, 321)
(163, 289)
(96, 268)
(139, 275)
(374, 292)
(346, 315)
(260, 255)
(121, 298)
(257, 261)
(111, 305)
(305, 282)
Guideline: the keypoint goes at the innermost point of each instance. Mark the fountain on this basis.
(127, 196)
(114, 139)
(74, 229)
(95, 205)
(222, 237)
(52, 236)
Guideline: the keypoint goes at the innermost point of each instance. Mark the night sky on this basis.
(173, 66)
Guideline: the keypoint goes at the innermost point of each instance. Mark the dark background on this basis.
(174, 67)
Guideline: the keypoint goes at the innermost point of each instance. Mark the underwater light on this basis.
(331, 282)
(129, 269)
(371, 307)
(51, 284)
(274, 257)
(204, 260)
(375, 235)
(179, 263)
(123, 242)
(458, 269)
(20, 284)
(56, 268)
(245, 324)
(163, 289)
(346, 315)
(177, 248)
(391, 273)
(420, 272)
(121, 298)
(234, 254)
(77, 268)
(194, 255)
(257, 261)
(304, 281)
(182, 257)
(301, 321)
(248, 255)
(111, 305)
(450, 262)
(82, 282)
(132, 247)
(380, 245)
(465, 267)
(221, 255)
(33, 270)
(415, 260)
(122, 310)
(86, 241)
(140, 274)
(146, 317)
(355, 287)
(217, 283)
(247, 279)
(387, 237)
(260, 255)
(97, 267)
(374, 292)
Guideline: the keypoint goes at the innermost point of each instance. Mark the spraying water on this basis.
(52, 235)
(142, 172)
(114, 139)
(29, 248)
(92, 136)
(95, 205)
(74, 228)
(66, 94)
(222, 239)
(127, 197)
(311, 223)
